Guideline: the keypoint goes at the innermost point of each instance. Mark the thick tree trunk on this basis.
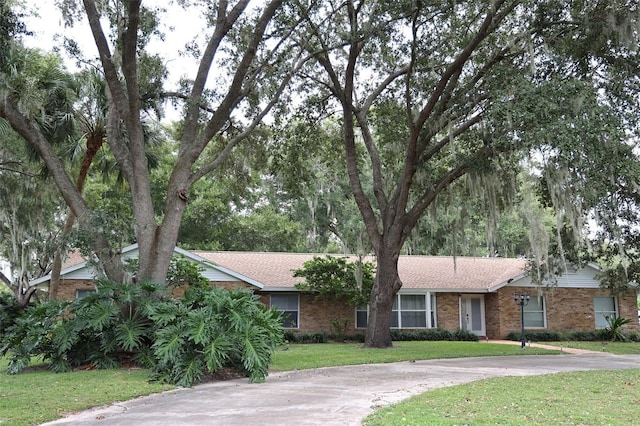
(384, 290)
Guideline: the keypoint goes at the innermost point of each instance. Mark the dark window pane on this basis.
(361, 319)
(414, 319)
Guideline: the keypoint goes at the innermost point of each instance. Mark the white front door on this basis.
(472, 313)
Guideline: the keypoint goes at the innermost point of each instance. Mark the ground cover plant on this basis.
(595, 398)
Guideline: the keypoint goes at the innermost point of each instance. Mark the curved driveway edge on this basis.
(328, 396)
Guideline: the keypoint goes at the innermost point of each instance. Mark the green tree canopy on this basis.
(245, 60)
(333, 277)
(437, 91)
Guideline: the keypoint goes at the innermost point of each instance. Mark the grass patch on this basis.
(301, 356)
(38, 395)
(595, 397)
(617, 348)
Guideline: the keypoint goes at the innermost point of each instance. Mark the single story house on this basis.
(471, 293)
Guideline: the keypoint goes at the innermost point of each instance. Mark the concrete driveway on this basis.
(328, 396)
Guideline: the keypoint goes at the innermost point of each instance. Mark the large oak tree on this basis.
(244, 64)
(440, 90)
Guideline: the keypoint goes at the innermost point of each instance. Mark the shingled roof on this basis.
(274, 271)
(477, 274)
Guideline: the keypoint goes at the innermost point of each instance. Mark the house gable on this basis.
(572, 278)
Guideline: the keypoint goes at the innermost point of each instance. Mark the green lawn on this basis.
(38, 395)
(618, 348)
(580, 398)
(300, 357)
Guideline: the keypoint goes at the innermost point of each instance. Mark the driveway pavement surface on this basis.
(328, 396)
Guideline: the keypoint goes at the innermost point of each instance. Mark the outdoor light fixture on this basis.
(522, 299)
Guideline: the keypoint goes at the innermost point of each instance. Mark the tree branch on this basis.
(224, 154)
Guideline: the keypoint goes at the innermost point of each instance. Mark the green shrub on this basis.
(100, 329)
(633, 336)
(180, 340)
(438, 334)
(31, 335)
(434, 334)
(556, 336)
(339, 329)
(586, 336)
(465, 336)
(318, 337)
(9, 311)
(213, 328)
(357, 337)
(537, 336)
(614, 329)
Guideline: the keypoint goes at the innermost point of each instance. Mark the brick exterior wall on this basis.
(317, 315)
(67, 288)
(567, 309)
(492, 316)
(448, 310)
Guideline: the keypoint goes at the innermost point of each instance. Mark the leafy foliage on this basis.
(180, 340)
(31, 335)
(293, 337)
(334, 277)
(9, 311)
(437, 334)
(29, 217)
(615, 327)
(184, 272)
(210, 329)
(11, 28)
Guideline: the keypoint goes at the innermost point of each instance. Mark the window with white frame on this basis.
(409, 311)
(604, 307)
(534, 313)
(432, 311)
(289, 305)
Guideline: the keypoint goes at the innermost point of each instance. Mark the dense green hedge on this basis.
(432, 334)
(558, 336)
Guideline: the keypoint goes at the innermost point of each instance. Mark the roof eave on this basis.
(282, 289)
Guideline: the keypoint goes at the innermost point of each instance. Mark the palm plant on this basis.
(615, 327)
(43, 91)
(91, 122)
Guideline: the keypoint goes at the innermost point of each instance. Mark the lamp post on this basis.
(522, 299)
